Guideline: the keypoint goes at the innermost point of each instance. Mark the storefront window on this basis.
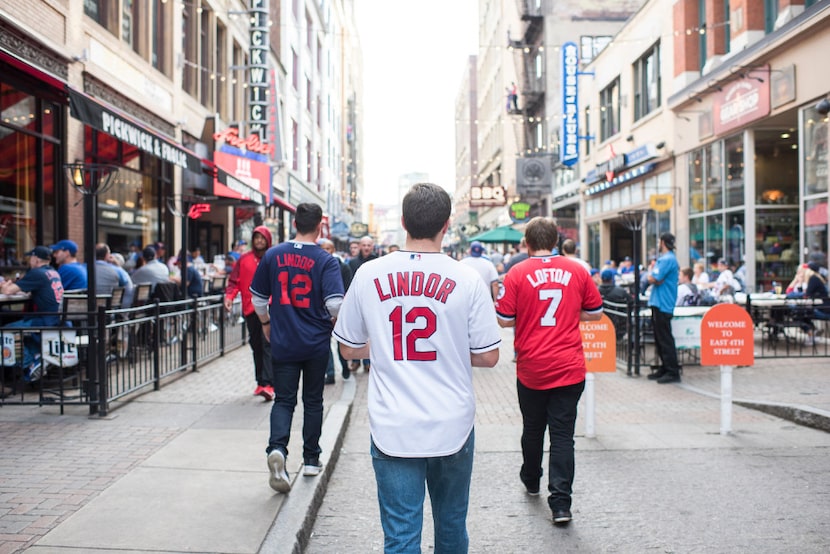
(28, 174)
(776, 246)
(713, 176)
(714, 240)
(735, 239)
(815, 151)
(776, 167)
(696, 241)
(734, 171)
(815, 230)
(696, 204)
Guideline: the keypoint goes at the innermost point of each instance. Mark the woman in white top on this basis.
(700, 277)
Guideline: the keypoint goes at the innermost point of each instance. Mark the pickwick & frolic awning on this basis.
(107, 119)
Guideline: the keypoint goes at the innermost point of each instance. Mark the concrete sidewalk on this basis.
(183, 469)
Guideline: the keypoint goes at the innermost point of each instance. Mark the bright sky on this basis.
(414, 55)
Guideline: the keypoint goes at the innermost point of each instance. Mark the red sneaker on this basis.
(268, 393)
(258, 390)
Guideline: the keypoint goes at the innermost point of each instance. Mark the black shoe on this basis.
(531, 485)
(346, 374)
(669, 378)
(562, 517)
(330, 380)
(657, 374)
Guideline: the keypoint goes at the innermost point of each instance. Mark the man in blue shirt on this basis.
(303, 285)
(663, 279)
(44, 285)
(73, 273)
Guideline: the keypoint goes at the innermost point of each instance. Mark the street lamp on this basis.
(633, 221)
(90, 180)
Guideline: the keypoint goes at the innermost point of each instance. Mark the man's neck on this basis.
(424, 245)
(309, 237)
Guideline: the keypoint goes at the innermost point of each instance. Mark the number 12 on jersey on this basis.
(425, 320)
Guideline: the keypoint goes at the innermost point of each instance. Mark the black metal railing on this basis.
(134, 349)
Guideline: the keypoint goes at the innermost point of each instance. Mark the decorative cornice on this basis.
(14, 41)
(98, 89)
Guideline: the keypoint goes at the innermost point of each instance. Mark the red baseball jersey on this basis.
(545, 295)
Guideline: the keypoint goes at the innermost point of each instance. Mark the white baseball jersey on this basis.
(422, 315)
(484, 267)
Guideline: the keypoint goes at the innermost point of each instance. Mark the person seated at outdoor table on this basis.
(117, 261)
(153, 271)
(46, 289)
(617, 295)
(725, 284)
(798, 285)
(195, 287)
(687, 292)
(73, 273)
(700, 277)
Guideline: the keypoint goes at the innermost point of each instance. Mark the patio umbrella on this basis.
(498, 235)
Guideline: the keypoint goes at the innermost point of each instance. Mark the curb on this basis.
(291, 529)
(799, 414)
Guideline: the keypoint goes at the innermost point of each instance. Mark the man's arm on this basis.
(494, 289)
(485, 359)
(590, 316)
(350, 353)
(9, 287)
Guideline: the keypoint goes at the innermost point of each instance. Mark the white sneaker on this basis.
(279, 477)
(312, 468)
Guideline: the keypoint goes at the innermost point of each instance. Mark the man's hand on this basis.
(228, 303)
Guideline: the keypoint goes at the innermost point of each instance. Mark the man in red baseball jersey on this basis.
(545, 297)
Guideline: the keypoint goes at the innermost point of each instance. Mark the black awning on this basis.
(109, 120)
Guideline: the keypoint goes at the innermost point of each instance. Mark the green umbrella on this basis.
(499, 234)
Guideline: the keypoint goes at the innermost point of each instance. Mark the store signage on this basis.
(196, 210)
(611, 167)
(100, 117)
(258, 70)
(358, 229)
(642, 154)
(487, 196)
(599, 345)
(251, 143)
(727, 336)
(570, 104)
(622, 178)
(661, 202)
(742, 101)
(519, 212)
(241, 178)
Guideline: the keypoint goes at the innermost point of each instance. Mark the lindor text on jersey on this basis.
(294, 260)
(415, 283)
(549, 275)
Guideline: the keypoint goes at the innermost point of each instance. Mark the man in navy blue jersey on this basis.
(305, 287)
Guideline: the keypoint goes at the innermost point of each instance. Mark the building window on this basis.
(319, 56)
(647, 83)
(158, 38)
(587, 130)
(190, 43)
(308, 160)
(701, 38)
(590, 46)
(295, 145)
(206, 57)
(309, 32)
(308, 94)
(609, 102)
(220, 82)
(103, 12)
(237, 89)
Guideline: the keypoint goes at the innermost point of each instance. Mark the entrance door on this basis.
(622, 242)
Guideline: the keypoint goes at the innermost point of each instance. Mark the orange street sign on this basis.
(727, 337)
(599, 343)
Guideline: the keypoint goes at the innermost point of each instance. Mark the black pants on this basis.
(553, 410)
(664, 341)
(261, 350)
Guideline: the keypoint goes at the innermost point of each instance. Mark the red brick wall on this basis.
(686, 49)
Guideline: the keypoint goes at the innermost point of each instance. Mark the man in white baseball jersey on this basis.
(483, 266)
(426, 320)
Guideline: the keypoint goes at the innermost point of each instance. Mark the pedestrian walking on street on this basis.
(545, 298)
(663, 280)
(365, 253)
(307, 290)
(346, 273)
(426, 320)
(239, 282)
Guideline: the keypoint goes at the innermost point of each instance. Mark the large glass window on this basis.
(815, 128)
(609, 102)
(776, 167)
(776, 246)
(29, 174)
(594, 243)
(734, 171)
(647, 83)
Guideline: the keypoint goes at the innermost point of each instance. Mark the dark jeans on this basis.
(553, 409)
(664, 341)
(286, 377)
(261, 350)
(344, 365)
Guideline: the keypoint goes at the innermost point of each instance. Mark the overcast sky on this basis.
(414, 55)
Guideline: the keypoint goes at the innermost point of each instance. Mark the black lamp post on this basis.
(91, 180)
(633, 221)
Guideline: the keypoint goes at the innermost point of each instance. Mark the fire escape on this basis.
(529, 51)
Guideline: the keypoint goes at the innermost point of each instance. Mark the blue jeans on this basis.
(286, 381)
(555, 409)
(400, 483)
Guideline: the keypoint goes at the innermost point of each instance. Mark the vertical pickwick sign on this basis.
(258, 70)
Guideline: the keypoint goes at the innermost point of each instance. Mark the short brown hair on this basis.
(542, 233)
